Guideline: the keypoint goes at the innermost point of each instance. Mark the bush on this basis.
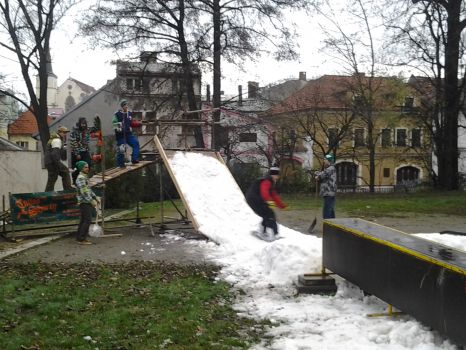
(246, 173)
(298, 181)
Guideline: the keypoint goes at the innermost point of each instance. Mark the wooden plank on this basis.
(161, 150)
(113, 173)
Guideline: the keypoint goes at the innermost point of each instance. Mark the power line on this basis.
(10, 59)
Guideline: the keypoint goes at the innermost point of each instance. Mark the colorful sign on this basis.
(43, 207)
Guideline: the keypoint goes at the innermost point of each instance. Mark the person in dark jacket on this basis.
(328, 186)
(54, 154)
(262, 196)
(123, 123)
(80, 138)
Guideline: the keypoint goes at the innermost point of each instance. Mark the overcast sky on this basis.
(73, 57)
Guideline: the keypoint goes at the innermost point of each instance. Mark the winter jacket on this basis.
(84, 193)
(123, 124)
(263, 190)
(328, 181)
(55, 151)
(79, 139)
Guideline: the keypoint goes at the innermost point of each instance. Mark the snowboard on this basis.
(265, 237)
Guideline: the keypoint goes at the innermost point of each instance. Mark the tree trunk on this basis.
(216, 130)
(448, 154)
(188, 78)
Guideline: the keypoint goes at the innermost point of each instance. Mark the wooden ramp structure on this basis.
(167, 155)
(112, 173)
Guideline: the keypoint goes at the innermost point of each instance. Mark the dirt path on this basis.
(134, 244)
(139, 244)
(300, 220)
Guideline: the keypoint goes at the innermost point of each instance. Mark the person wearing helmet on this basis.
(53, 156)
(123, 123)
(328, 186)
(262, 197)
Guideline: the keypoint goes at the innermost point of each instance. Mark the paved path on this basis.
(139, 244)
(407, 222)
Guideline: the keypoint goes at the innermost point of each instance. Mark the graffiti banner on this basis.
(43, 207)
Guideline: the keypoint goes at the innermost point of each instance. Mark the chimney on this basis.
(240, 95)
(302, 76)
(208, 93)
(148, 57)
(253, 88)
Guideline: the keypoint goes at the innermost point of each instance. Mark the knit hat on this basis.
(274, 170)
(330, 157)
(80, 165)
(123, 103)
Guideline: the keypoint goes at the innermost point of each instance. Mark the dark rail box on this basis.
(419, 277)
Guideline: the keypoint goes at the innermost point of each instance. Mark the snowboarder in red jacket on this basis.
(262, 196)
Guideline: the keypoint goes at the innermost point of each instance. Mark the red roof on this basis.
(326, 92)
(26, 124)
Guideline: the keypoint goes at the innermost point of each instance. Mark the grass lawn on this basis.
(390, 204)
(128, 306)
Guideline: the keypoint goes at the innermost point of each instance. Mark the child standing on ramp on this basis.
(123, 123)
(261, 197)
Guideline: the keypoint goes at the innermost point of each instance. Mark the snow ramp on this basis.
(218, 209)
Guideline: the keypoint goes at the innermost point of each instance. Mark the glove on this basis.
(118, 127)
(136, 123)
(271, 204)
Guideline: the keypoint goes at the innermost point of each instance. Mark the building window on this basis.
(69, 103)
(133, 84)
(386, 137)
(332, 138)
(23, 144)
(248, 137)
(406, 174)
(408, 105)
(416, 137)
(386, 172)
(177, 86)
(401, 137)
(359, 138)
(346, 174)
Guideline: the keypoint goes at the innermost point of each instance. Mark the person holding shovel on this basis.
(328, 186)
(87, 200)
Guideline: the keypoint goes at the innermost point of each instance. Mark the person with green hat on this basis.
(87, 200)
(123, 123)
(328, 186)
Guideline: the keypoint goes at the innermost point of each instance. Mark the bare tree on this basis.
(243, 29)
(428, 36)
(28, 25)
(357, 52)
(165, 27)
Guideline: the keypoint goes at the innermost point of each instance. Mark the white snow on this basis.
(265, 271)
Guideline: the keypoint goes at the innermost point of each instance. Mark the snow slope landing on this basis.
(265, 271)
